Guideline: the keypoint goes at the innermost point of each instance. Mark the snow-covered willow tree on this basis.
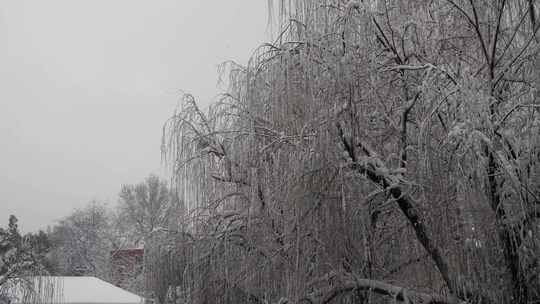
(375, 150)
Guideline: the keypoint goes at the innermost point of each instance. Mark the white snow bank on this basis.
(80, 290)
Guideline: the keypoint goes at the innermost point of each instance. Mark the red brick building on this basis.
(126, 264)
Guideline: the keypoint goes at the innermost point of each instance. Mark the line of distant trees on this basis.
(82, 242)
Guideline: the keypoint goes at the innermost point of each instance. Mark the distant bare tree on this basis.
(147, 207)
(82, 242)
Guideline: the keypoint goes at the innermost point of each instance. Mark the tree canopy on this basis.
(374, 149)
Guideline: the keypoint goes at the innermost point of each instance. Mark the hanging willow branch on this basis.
(278, 176)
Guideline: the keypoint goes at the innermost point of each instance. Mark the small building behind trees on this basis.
(126, 264)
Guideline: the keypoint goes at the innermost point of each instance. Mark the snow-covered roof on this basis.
(79, 290)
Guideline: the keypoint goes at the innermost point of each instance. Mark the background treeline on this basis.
(82, 244)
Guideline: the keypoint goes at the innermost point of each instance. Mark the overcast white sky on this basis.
(85, 87)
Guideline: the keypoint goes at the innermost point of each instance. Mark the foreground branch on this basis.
(397, 292)
(375, 170)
